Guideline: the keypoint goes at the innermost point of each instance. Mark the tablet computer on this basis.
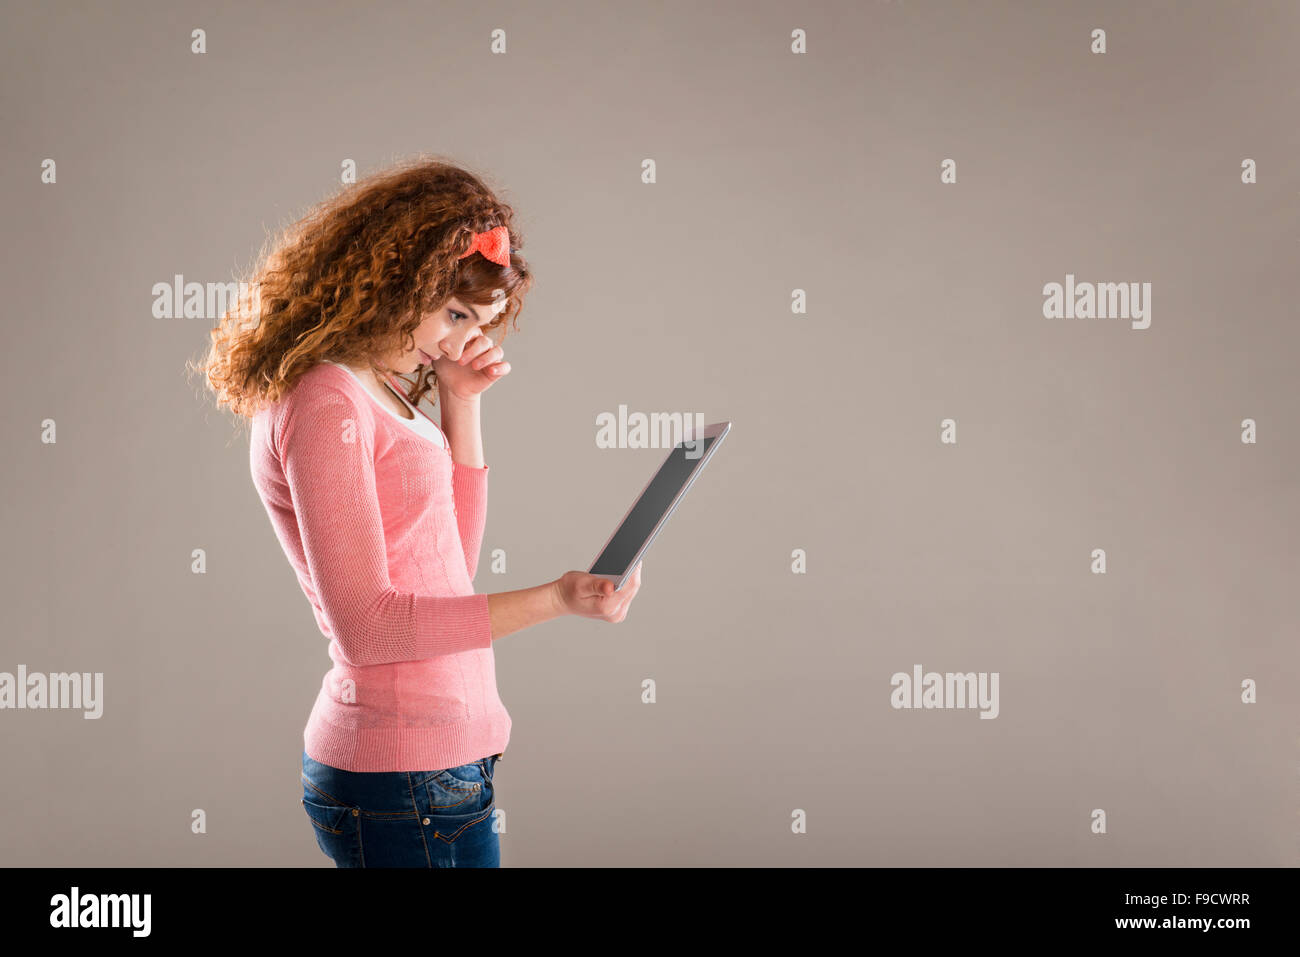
(648, 514)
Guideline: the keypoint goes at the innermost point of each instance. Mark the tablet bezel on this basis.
(716, 431)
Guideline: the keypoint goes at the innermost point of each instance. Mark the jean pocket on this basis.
(462, 789)
(336, 826)
(331, 818)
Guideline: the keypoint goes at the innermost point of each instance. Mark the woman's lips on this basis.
(428, 359)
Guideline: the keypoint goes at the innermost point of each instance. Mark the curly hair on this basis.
(352, 280)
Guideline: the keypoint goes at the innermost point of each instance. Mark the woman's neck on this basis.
(382, 390)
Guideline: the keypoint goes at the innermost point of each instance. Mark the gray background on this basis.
(775, 172)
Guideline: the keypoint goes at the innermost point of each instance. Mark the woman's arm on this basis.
(469, 492)
(461, 424)
(326, 448)
(573, 593)
(515, 610)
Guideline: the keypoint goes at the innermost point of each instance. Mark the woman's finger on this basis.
(487, 358)
(624, 599)
(612, 602)
(475, 350)
(633, 583)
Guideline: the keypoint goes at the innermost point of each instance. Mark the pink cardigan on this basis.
(383, 530)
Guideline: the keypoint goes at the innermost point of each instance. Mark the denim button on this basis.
(426, 820)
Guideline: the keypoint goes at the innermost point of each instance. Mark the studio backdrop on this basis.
(996, 566)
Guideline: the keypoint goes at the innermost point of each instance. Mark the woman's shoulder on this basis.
(325, 375)
(320, 400)
(322, 380)
(326, 389)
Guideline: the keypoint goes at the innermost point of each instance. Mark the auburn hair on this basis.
(352, 280)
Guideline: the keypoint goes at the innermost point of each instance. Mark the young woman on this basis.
(381, 511)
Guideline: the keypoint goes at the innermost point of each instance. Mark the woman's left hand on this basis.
(481, 363)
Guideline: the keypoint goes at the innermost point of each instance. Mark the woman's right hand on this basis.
(591, 596)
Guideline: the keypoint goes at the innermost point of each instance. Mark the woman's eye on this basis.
(457, 316)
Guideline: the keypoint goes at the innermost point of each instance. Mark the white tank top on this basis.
(421, 424)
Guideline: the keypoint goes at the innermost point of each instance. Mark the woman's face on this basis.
(445, 333)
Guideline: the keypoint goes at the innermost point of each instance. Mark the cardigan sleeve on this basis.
(326, 448)
(469, 486)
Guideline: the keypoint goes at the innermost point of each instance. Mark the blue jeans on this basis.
(404, 818)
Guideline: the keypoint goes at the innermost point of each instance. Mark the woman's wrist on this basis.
(558, 608)
(511, 611)
(446, 395)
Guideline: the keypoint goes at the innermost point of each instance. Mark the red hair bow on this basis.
(493, 244)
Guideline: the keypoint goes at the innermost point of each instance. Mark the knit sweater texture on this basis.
(383, 530)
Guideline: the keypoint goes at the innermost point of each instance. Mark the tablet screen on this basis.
(649, 508)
